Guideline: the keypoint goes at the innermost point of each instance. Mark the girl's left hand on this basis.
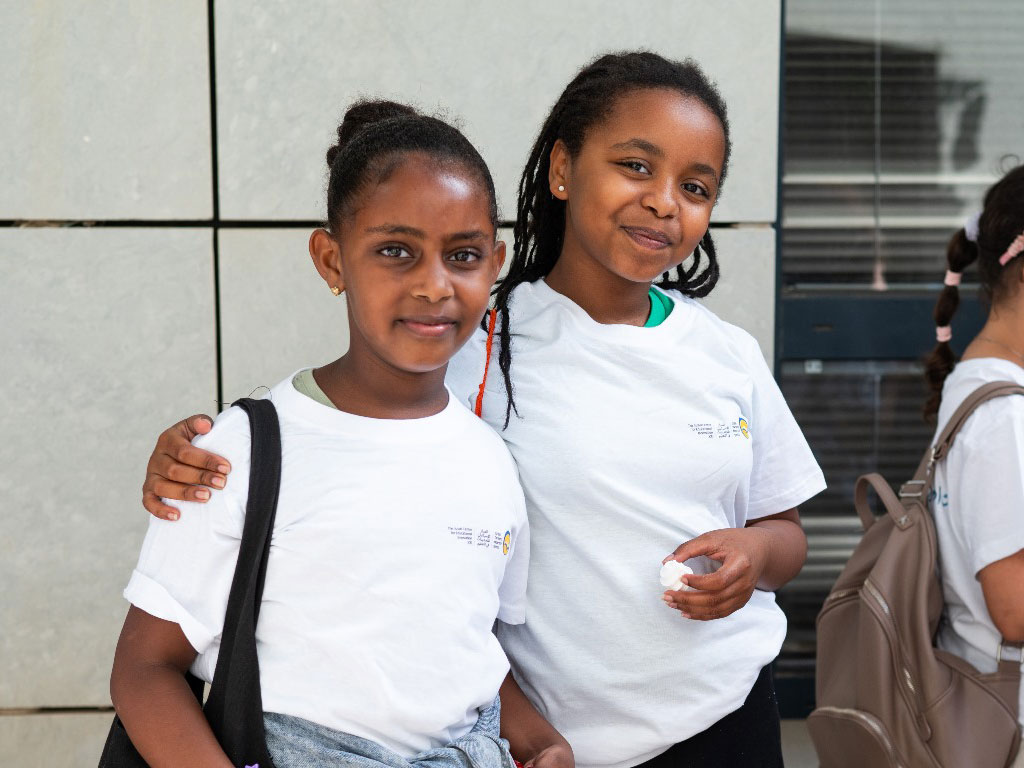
(743, 553)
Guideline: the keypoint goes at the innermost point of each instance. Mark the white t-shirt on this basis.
(396, 544)
(632, 441)
(978, 504)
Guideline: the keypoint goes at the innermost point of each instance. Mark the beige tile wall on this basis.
(283, 82)
(94, 366)
(106, 110)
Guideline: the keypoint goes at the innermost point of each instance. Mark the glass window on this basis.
(898, 115)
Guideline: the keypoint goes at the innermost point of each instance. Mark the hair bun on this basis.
(360, 115)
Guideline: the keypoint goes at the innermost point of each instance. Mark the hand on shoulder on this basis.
(179, 470)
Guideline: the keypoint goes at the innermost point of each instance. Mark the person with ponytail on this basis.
(645, 429)
(401, 533)
(978, 501)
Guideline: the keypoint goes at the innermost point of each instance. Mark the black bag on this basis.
(234, 707)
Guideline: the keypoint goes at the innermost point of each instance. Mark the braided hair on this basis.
(1001, 220)
(540, 218)
(373, 139)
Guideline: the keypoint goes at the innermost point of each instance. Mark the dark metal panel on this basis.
(869, 327)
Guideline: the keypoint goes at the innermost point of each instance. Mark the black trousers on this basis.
(750, 737)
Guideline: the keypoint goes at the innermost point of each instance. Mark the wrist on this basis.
(557, 754)
(762, 539)
(785, 549)
(539, 744)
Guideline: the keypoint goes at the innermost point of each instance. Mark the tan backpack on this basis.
(886, 695)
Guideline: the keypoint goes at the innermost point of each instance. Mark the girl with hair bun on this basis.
(401, 533)
(978, 501)
(642, 425)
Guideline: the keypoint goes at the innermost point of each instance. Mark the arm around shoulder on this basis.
(178, 470)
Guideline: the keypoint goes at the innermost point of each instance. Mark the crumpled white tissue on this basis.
(672, 574)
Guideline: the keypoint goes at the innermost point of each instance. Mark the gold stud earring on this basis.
(336, 290)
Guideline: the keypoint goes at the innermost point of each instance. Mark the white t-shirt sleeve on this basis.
(784, 472)
(512, 592)
(185, 568)
(989, 478)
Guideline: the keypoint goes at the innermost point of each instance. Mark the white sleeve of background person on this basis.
(978, 505)
(989, 482)
(784, 473)
(185, 568)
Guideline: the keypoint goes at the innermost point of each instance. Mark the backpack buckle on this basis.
(906, 493)
(1018, 648)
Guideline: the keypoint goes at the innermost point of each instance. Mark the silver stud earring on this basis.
(561, 188)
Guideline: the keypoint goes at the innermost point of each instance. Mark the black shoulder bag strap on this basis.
(234, 707)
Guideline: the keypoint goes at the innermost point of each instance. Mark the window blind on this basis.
(898, 115)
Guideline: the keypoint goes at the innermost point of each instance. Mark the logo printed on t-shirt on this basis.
(939, 495)
(482, 538)
(721, 430)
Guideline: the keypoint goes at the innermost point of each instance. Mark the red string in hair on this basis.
(478, 409)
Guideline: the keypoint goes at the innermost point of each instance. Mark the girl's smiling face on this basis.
(416, 258)
(639, 193)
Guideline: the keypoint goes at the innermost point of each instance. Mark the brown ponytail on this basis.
(1001, 220)
(960, 254)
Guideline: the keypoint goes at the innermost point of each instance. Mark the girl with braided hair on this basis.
(978, 497)
(642, 425)
(390, 490)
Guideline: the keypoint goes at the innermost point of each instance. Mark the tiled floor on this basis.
(797, 749)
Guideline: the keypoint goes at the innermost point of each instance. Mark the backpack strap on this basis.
(1009, 656)
(921, 484)
(881, 486)
(234, 708)
(981, 395)
(478, 409)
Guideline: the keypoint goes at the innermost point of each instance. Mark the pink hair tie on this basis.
(943, 333)
(952, 278)
(1016, 247)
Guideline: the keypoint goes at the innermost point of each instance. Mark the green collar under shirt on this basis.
(661, 307)
(304, 382)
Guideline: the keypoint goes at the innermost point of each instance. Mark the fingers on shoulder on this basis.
(153, 504)
(198, 458)
(224, 446)
(198, 424)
